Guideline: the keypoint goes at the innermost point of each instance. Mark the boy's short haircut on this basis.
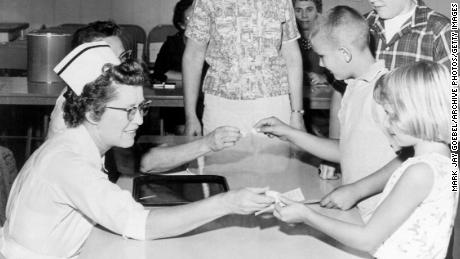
(94, 30)
(343, 26)
(417, 96)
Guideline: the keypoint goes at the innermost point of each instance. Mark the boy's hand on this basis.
(273, 127)
(343, 197)
(291, 212)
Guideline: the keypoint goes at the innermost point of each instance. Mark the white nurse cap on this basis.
(84, 64)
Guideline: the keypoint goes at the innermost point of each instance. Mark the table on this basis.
(14, 91)
(235, 236)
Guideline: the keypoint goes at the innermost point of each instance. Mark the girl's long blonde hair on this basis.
(417, 96)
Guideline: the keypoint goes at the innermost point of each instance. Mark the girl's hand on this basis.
(292, 212)
(343, 197)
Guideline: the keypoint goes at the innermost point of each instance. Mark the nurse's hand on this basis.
(343, 197)
(193, 127)
(273, 127)
(246, 201)
(291, 211)
(222, 137)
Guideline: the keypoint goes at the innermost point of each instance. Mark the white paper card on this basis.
(295, 195)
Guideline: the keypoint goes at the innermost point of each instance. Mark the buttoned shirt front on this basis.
(59, 195)
(244, 40)
(425, 36)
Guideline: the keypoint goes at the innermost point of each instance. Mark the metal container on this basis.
(45, 49)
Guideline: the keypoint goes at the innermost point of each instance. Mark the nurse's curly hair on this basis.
(98, 93)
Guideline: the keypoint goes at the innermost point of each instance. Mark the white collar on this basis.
(393, 25)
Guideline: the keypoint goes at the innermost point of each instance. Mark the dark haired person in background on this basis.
(317, 80)
(107, 31)
(168, 64)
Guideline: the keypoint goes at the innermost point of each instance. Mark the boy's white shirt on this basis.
(364, 146)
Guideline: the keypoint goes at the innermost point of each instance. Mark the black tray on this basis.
(171, 190)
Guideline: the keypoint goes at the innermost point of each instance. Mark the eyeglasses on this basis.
(143, 109)
(127, 54)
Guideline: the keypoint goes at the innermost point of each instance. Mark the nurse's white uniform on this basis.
(59, 195)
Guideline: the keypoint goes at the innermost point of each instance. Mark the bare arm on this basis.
(374, 183)
(410, 190)
(291, 53)
(324, 148)
(176, 220)
(346, 196)
(192, 64)
(160, 159)
(334, 126)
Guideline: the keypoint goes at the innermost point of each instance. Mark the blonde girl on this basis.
(415, 216)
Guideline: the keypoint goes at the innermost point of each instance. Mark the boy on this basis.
(403, 32)
(342, 42)
(407, 31)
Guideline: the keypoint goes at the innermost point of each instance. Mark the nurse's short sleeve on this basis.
(199, 27)
(88, 190)
(290, 31)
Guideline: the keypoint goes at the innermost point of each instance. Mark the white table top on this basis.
(238, 236)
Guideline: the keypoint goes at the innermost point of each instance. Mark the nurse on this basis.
(62, 192)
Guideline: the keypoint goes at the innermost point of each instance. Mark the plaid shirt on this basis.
(426, 36)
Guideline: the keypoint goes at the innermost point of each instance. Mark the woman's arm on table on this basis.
(291, 54)
(346, 196)
(192, 66)
(323, 148)
(176, 220)
(160, 159)
(410, 190)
